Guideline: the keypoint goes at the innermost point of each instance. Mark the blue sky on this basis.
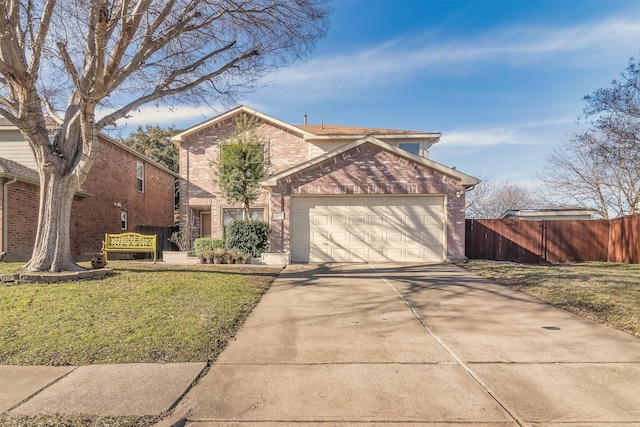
(502, 80)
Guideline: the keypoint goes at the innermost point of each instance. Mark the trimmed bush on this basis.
(251, 237)
(204, 244)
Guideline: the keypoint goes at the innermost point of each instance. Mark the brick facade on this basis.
(109, 189)
(22, 213)
(367, 169)
(198, 151)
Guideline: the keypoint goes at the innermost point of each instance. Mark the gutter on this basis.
(5, 216)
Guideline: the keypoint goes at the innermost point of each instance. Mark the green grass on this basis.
(607, 293)
(142, 313)
(10, 267)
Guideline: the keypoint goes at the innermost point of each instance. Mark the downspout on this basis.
(269, 218)
(187, 202)
(5, 216)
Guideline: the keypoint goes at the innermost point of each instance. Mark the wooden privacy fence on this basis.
(561, 241)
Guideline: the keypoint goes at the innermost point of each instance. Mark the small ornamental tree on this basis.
(240, 164)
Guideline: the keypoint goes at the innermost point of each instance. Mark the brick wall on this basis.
(283, 150)
(369, 170)
(111, 181)
(22, 213)
(366, 169)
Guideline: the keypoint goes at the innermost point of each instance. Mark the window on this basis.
(413, 147)
(140, 177)
(230, 214)
(123, 220)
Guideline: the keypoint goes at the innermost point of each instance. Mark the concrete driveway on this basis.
(392, 345)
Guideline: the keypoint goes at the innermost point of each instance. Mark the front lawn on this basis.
(607, 293)
(144, 312)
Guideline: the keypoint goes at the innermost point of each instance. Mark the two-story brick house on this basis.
(333, 193)
(124, 192)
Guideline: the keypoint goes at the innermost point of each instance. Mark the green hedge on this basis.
(203, 244)
(251, 237)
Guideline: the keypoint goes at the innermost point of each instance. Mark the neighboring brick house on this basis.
(333, 193)
(125, 191)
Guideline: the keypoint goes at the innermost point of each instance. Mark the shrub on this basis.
(219, 254)
(251, 237)
(208, 255)
(180, 238)
(242, 257)
(203, 244)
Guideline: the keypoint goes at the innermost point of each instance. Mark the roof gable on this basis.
(177, 139)
(466, 180)
(310, 132)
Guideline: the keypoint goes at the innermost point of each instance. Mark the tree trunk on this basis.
(52, 248)
(63, 164)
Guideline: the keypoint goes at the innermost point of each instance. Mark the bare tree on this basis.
(600, 168)
(621, 100)
(476, 198)
(490, 199)
(72, 59)
(593, 170)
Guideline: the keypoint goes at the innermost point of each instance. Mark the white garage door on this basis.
(368, 228)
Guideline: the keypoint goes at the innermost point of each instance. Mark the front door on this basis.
(205, 224)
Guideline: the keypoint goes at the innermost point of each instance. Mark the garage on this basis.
(368, 228)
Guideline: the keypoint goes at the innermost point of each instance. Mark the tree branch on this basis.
(129, 25)
(68, 64)
(38, 41)
(163, 89)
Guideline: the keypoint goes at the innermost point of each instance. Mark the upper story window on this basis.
(123, 220)
(413, 147)
(140, 177)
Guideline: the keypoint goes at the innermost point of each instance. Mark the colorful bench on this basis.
(129, 242)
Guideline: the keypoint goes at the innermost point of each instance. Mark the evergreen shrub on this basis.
(203, 244)
(251, 237)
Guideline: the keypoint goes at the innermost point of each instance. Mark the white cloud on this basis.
(166, 116)
(484, 137)
(550, 122)
(180, 116)
(519, 133)
(581, 45)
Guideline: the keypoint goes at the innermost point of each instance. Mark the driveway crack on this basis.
(458, 360)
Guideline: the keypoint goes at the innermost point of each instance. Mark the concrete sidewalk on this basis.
(102, 390)
(421, 345)
(381, 345)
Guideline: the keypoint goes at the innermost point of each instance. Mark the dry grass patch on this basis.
(55, 420)
(607, 293)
